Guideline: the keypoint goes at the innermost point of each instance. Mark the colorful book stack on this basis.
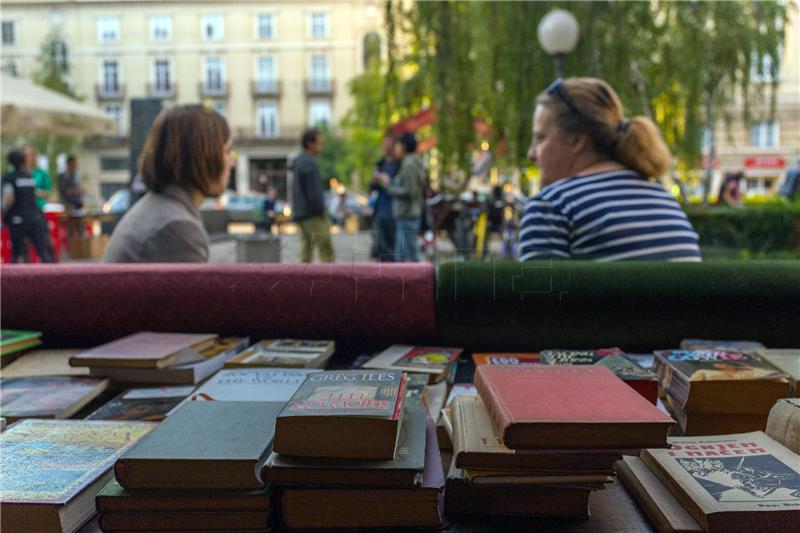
(51, 470)
(529, 445)
(285, 353)
(627, 369)
(160, 358)
(718, 392)
(350, 452)
(740, 482)
(15, 342)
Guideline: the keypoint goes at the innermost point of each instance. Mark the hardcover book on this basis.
(203, 445)
(370, 508)
(507, 359)
(113, 499)
(404, 470)
(437, 362)
(145, 349)
(51, 470)
(197, 520)
(742, 482)
(788, 361)
(699, 423)
(287, 353)
(190, 368)
(142, 404)
(720, 381)
(331, 412)
(663, 510)
(638, 378)
(477, 445)
(535, 407)
(47, 396)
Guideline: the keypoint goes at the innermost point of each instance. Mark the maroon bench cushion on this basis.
(94, 303)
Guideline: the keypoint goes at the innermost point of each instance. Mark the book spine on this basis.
(121, 473)
(672, 381)
(500, 416)
(401, 394)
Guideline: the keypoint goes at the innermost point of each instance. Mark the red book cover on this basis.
(587, 407)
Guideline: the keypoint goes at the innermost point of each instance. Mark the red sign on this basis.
(764, 161)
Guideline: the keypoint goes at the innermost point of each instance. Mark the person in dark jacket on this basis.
(407, 193)
(308, 201)
(382, 217)
(21, 212)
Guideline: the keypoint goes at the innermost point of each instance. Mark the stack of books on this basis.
(199, 469)
(351, 452)
(160, 358)
(51, 470)
(529, 445)
(285, 353)
(787, 360)
(718, 392)
(14, 342)
(740, 482)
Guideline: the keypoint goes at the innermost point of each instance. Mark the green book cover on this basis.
(13, 336)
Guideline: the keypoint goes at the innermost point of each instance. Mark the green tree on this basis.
(680, 63)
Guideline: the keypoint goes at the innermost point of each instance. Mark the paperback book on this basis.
(47, 396)
(438, 363)
(145, 349)
(507, 359)
(286, 353)
(14, 341)
(142, 404)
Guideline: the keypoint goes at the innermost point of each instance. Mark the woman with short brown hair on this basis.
(186, 158)
(598, 199)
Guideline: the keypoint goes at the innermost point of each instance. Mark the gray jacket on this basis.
(406, 188)
(163, 227)
(308, 194)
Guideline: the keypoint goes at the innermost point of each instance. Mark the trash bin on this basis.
(258, 248)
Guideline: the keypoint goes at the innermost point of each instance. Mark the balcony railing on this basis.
(162, 91)
(319, 87)
(266, 88)
(214, 90)
(110, 92)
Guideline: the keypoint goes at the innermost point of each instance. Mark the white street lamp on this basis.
(558, 34)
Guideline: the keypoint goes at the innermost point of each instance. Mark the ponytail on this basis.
(639, 147)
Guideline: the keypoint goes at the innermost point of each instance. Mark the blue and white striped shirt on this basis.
(609, 216)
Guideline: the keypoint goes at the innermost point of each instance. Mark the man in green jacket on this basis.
(406, 190)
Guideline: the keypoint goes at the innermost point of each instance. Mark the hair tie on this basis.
(623, 125)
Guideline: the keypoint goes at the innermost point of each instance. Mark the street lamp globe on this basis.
(558, 32)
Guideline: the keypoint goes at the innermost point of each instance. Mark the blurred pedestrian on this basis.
(407, 198)
(269, 208)
(69, 186)
(597, 199)
(308, 200)
(791, 185)
(44, 184)
(186, 159)
(730, 191)
(383, 227)
(21, 213)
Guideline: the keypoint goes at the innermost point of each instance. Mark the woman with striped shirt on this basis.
(598, 200)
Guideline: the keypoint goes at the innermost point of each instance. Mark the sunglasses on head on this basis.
(557, 88)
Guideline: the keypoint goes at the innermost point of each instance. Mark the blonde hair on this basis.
(590, 106)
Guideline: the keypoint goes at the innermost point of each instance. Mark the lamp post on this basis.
(558, 35)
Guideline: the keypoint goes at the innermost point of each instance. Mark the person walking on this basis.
(21, 212)
(69, 186)
(407, 198)
(269, 208)
(383, 230)
(186, 159)
(308, 201)
(598, 200)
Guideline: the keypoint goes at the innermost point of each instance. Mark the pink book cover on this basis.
(142, 346)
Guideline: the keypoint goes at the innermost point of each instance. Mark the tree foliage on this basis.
(680, 63)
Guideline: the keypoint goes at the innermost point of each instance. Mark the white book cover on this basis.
(251, 385)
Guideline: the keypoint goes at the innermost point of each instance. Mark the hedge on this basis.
(770, 228)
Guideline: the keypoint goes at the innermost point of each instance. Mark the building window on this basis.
(115, 111)
(9, 35)
(113, 164)
(213, 27)
(319, 111)
(267, 71)
(161, 28)
(320, 72)
(265, 26)
(319, 24)
(267, 120)
(762, 72)
(110, 76)
(765, 134)
(162, 75)
(108, 30)
(214, 77)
